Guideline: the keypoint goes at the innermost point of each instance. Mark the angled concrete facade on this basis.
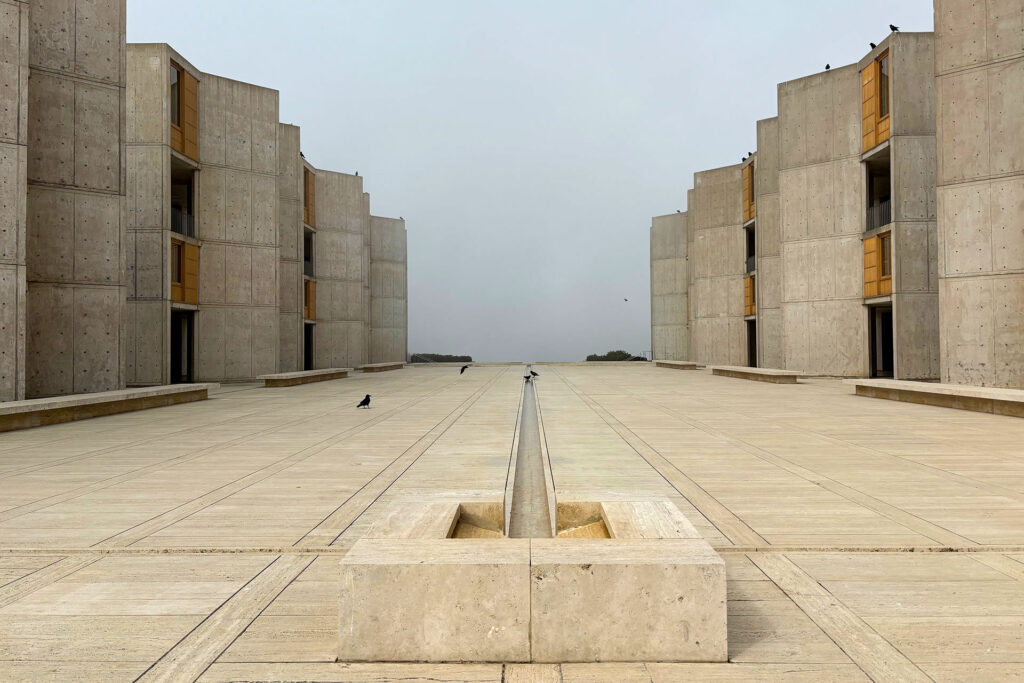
(237, 326)
(834, 218)
(389, 290)
(14, 73)
(75, 250)
(821, 199)
(290, 167)
(979, 62)
(770, 348)
(670, 335)
(717, 328)
(343, 265)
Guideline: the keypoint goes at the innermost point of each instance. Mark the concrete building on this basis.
(979, 57)
(818, 252)
(670, 331)
(389, 290)
(245, 259)
(717, 267)
(203, 219)
(62, 250)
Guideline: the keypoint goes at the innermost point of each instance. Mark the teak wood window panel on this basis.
(749, 295)
(309, 300)
(875, 102)
(184, 112)
(309, 197)
(184, 272)
(749, 205)
(878, 265)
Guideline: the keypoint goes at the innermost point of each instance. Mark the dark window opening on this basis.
(307, 345)
(879, 193)
(883, 86)
(752, 343)
(885, 246)
(307, 252)
(182, 200)
(751, 239)
(175, 95)
(880, 324)
(181, 346)
(177, 276)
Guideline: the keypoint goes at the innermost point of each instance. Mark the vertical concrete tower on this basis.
(670, 333)
(14, 71)
(715, 219)
(979, 65)
(75, 256)
(768, 290)
(389, 303)
(342, 271)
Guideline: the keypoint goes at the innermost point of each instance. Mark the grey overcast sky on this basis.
(526, 143)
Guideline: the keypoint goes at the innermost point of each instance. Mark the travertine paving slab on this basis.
(811, 474)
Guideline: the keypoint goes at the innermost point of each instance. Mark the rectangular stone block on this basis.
(436, 600)
(625, 600)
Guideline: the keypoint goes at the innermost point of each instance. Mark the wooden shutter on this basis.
(749, 296)
(189, 116)
(748, 192)
(190, 279)
(309, 198)
(869, 104)
(309, 301)
(884, 279)
(872, 267)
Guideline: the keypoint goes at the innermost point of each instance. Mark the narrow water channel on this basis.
(530, 517)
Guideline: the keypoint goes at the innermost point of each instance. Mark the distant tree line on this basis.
(438, 358)
(615, 355)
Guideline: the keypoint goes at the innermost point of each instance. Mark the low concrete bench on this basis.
(381, 367)
(676, 364)
(290, 379)
(757, 374)
(980, 399)
(37, 412)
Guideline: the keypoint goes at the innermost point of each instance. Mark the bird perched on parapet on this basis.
(678, 211)
(301, 154)
(357, 172)
(873, 46)
(743, 159)
(464, 368)
(894, 29)
(750, 154)
(534, 374)
(401, 218)
(365, 403)
(827, 67)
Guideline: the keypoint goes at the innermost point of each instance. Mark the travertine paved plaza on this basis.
(202, 541)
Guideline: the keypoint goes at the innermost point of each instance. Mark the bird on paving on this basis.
(464, 368)
(873, 46)
(534, 374)
(365, 403)
(894, 29)
(827, 67)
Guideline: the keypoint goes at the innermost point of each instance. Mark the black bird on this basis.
(750, 154)
(678, 211)
(401, 218)
(894, 29)
(625, 299)
(365, 403)
(301, 154)
(873, 46)
(464, 368)
(743, 159)
(527, 377)
(534, 374)
(827, 67)
(357, 172)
